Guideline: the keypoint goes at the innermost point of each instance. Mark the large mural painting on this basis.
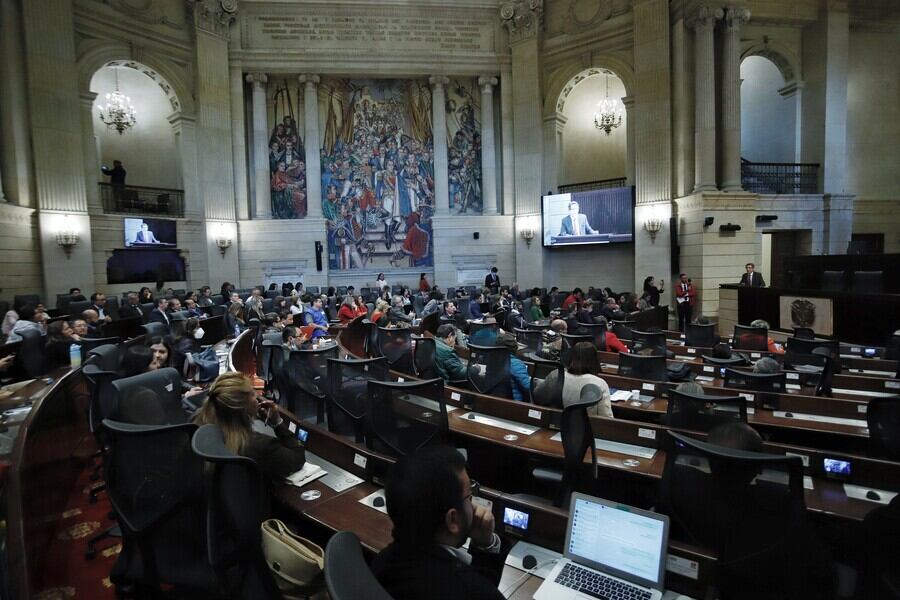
(464, 146)
(287, 156)
(377, 173)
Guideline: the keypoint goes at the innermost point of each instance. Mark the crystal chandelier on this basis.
(609, 113)
(118, 113)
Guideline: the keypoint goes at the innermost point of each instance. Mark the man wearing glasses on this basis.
(431, 501)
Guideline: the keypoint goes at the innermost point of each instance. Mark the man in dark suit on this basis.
(94, 323)
(492, 280)
(430, 500)
(751, 278)
(576, 223)
(98, 304)
(159, 314)
(145, 236)
(132, 308)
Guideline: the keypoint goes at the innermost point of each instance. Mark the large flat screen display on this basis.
(150, 233)
(593, 217)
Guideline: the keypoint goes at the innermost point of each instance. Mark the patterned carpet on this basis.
(69, 574)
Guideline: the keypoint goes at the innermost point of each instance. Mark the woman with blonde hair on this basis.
(231, 404)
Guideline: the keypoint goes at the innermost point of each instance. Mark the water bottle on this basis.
(75, 355)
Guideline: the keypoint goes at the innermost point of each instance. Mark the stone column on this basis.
(261, 175)
(239, 144)
(506, 134)
(837, 40)
(731, 98)
(14, 129)
(312, 143)
(185, 129)
(439, 139)
(89, 149)
(553, 152)
(488, 148)
(630, 126)
(705, 100)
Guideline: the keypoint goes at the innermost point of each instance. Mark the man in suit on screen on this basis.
(576, 223)
(145, 236)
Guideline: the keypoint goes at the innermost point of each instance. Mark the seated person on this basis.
(232, 405)
(514, 319)
(536, 313)
(574, 298)
(397, 314)
(448, 364)
(613, 343)
(60, 337)
(475, 307)
(29, 320)
(773, 347)
(234, 319)
(347, 311)
(429, 499)
(293, 338)
(551, 341)
(767, 365)
(190, 306)
(584, 313)
(94, 323)
(611, 310)
(434, 303)
(379, 315)
(136, 360)
(519, 380)
(319, 320)
(582, 370)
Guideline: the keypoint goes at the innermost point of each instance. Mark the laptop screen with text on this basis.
(618, 538)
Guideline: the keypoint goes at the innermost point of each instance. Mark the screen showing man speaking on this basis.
(594, 217)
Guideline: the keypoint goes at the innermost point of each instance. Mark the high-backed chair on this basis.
(702, 336)
(568, 342)
(29, 361)
(264, 355)
(405, 416)
(347, 576)
(623, 329)
(883, 416)
(549, 394)
(88, 344)
(237, 503)
(750, 338)
(867, 282)
(348, 381)
(805, 347)
(702, 413)
(597, 331)
(749, 508)
(489, 371)
(532, 338)
(804, 333)
(155, 329)
(424, 356)
(77, 307)
(395, 344)
(650, 368)
(463, 305)
(23, 299)
(766, 384)
(833, 281)
(152, 398)
(112, 307)
(646, 340)
(308, 373)
(155, 487)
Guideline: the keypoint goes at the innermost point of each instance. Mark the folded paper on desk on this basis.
(620, 396)
(308, 473)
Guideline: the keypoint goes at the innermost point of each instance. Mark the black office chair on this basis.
(405, 416)
(750, 338)
(269, 342)
(430, 323)
(867, 282)
(307, 371)
(237, 503)
(649, 368)
(701, 336)
(833, 281)
(623, 329)
(597, 332)
(577, 438)
(568, 342)
(733, 361)
(463, 305)
(347, 576)
(88, 344)
(155, 487)
(418, 305)
(549, 394)
(823, 388)
(883, 416)
(483, 334)
(23, 299)
(800, 346)
(489, 371)
(112, 307)
(155, 329)
(395, 344)
(347, 389)
(424, 350)
(281, 385)
(152, 398)
(532, 338)
(146, 309)
(804, 333)
(77, 307)
(766, 385)
(702, 413)
(106, 357)
(313, 290)
(29, 361)
(644, 341)
(747, 507)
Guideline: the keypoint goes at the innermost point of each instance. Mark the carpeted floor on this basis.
(69, 574)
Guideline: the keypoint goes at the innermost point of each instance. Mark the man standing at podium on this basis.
(686, 297)
(575, 223)
(751, 278)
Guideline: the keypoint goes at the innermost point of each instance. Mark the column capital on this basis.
(705, 17)
(438, 81)
(628, 102)
(309, 79)
(87, 99)
(487, 83)
(214, 16)
(257, 79)
(523, 19)
(735, 16)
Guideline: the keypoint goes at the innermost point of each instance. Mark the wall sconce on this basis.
(223, 244)
(653, 226)
(528, 230)
(67, 238)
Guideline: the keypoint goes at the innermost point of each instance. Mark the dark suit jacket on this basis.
(758, 280)
(491, 280)
(278, 456)
(156, 316)
(435, 574)
(128, 311)
(584, 227)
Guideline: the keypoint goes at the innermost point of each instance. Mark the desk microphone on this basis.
(471, 416)
(529, 561)
(378, 501)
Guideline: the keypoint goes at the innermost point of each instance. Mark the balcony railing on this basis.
(135, 199)
(780, 178)
(600, 184)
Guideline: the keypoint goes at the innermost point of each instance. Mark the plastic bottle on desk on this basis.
(75, 356)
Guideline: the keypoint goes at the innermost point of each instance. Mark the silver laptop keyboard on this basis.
(598, 585)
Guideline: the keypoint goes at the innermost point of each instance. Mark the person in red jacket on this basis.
(347, 311)
(573, 298)
(686, 297)
(613, 343)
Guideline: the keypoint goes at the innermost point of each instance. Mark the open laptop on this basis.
(612, 551)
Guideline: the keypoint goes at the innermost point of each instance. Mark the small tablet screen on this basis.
(515, 518)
